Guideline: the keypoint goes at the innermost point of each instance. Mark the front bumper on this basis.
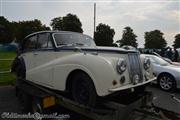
(130, 86)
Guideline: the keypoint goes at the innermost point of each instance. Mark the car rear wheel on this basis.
(83, 90)
(167, 82)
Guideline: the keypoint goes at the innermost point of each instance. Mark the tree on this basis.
(154, 39)
(104, 35)
(72, 23)
(56, 23)
(5, 31)
(177, 41)
(25, 28)
(128, 38)
(18, 30)
(69, 22)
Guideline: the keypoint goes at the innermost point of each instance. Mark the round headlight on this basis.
(121, 65)
(147, 63)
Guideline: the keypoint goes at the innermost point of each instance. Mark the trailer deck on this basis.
(141, 109)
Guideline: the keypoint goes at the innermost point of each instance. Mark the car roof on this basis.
(51, 31)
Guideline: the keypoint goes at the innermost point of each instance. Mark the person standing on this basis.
(176, 55)
(169, 54)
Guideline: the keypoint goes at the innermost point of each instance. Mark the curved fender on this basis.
(98, 68)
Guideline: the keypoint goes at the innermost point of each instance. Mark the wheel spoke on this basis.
(167, 86)
(170, 83)
(166, 82)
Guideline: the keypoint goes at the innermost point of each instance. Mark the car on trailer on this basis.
(71, 62)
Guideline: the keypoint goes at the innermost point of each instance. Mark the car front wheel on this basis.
(83, 90)
(166, 82)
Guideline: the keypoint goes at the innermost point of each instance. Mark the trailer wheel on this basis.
(24, 101)
(83, 90)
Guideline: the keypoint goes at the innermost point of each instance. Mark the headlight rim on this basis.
(121, 63)
(147, 63)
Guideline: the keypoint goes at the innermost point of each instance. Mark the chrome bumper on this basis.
(130, 86)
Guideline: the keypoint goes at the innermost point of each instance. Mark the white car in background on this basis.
(168, 75)
(69, 61)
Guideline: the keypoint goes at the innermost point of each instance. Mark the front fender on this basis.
(99, 69)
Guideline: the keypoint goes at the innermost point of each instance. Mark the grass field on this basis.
(5, 65)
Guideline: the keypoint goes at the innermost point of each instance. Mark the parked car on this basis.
(167, 59)
(69, 61)
(168, 75)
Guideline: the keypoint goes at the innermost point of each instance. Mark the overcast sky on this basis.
(140, 15)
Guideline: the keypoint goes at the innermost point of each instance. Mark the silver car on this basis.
(168, 75)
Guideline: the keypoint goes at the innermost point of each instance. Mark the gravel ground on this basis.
(8, 100)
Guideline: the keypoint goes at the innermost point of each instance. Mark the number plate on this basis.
(48, 101)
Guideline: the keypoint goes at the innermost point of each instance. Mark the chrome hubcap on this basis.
(166, 83)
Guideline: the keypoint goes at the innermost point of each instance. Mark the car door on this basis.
(44, 55)
(29, 47)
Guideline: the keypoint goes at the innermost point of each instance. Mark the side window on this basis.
(30, 43)
(44, 41)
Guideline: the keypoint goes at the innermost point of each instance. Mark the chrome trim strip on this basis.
(54, 40)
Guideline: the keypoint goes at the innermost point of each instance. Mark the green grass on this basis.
(6, 78)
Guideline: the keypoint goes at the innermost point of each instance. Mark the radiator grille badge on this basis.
(136, 78)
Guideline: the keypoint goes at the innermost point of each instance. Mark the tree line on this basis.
(103, 35)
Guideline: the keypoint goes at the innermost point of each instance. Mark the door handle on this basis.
(35, 53)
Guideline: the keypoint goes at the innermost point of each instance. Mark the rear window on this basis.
(44, 41)
(30, 43)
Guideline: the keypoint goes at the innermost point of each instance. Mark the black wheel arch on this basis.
(165, 73)
(18, 63)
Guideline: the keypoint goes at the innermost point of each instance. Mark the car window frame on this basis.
(49, 39)
(23, 49)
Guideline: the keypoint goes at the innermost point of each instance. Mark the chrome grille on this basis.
(135, 67)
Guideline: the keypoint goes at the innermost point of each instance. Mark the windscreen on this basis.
(73, 39)
(159, 60)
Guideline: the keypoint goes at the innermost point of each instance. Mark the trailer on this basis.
(38, 99)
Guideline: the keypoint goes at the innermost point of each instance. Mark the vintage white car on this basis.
(69, 61)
